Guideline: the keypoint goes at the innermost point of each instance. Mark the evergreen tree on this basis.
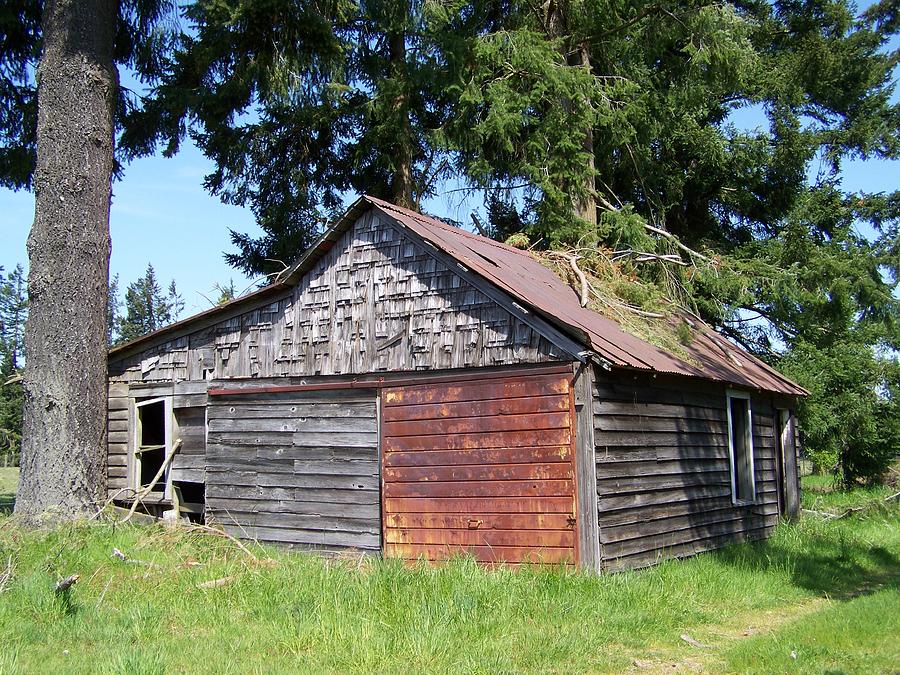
(147, 308)
(13, 312)
(113, 306)
(57, 133)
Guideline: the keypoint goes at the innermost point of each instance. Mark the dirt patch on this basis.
(698, 649)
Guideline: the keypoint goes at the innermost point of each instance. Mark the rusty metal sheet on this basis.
(499, 486)
(529, 471)
(478, 505)
(481, 488)
(467, 537)
(498, 439)
(479, 424)
(503, 406)
(482, 521)
(476, 390)
(532, 284)
(562, 453)
(484, 554)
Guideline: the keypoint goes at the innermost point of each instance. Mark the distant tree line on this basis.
(145, 308)
(13, 312)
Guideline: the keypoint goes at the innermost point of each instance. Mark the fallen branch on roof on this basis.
(675, 240)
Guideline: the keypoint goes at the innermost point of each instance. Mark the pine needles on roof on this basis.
(650, 303)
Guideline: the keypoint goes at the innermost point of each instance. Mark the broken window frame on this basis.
(735, 466)
(166, 447)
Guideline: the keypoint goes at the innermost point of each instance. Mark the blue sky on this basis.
(161, 214)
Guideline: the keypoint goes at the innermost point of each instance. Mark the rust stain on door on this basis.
(483, 467)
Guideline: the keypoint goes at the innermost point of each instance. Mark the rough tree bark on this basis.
(64, 432)
(557, 23)
(402, 180)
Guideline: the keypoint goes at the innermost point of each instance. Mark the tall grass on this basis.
(296, 612)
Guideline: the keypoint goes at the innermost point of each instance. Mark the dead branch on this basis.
(132, 561)
(64, 585)
(7, 574)
(585, 292)
(143, 492)
(694, 643)
(572, 259)
(195, 527)
(675, 240)
(476, 221)
(216, 583)
(643, 256)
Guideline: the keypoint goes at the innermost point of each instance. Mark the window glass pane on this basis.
(740, 441)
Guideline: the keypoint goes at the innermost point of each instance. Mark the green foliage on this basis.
(852, 418)
(147, 308)
(13, 313)
(227, 292)
(145, 32)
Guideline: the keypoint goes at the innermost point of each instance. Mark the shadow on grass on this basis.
(835, 563)
(7, 503)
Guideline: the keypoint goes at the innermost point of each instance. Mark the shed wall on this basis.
(297, 468)
(663, 470)
(376, 302)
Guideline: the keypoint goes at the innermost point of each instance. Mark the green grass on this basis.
(820, 493)
(828, 591)
(859, 636)
(9, 480)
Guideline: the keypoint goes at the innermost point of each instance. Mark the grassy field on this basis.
(818, 596)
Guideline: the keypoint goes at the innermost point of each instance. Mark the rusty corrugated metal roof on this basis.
(711, 356)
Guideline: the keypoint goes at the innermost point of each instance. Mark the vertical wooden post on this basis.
(586, 470)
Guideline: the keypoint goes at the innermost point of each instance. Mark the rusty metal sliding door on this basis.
(483, 467)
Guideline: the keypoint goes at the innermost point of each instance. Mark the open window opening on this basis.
(191, 497)
(740, 447)
(154, 438)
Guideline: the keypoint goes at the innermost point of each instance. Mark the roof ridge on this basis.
(437, 222)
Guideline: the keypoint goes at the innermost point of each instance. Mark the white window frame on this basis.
(730, 394)
(169, 431)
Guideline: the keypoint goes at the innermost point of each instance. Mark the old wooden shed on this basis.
(414, 390)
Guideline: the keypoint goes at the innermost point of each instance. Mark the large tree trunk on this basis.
(584, 205)
(64, 432)
(402, 180)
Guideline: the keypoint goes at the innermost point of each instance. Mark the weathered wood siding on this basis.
(118, 415)
(663, 472)
(296, 469)
(189, 411)
(376, 302)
